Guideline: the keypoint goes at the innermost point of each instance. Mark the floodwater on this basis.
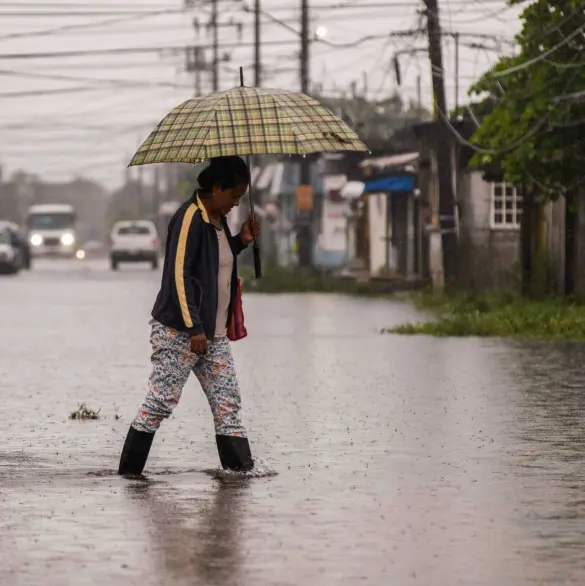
(398, 460)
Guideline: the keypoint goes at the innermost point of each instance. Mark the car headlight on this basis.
(67, 239)
(36, 239)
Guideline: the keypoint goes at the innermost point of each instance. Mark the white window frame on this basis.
(505, 196)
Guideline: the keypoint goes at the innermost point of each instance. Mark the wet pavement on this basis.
(398, 460)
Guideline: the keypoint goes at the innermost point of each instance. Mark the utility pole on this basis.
(198, 65)
(304, 46)
(197, 61)
(195, 64)
(443, 249)
(257, 58)
(456, 37)
(215, 45)
(304, 191)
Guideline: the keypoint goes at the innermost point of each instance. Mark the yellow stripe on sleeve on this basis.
(180, 264)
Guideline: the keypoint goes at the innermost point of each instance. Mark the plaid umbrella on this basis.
(246, 121)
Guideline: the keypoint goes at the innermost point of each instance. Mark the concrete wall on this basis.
(490, 257)
(377, 220)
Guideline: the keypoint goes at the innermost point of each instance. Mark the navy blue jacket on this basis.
(187, 300)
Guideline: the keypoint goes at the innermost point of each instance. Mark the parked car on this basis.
(11, 259)
(135, 241)
(20, 242)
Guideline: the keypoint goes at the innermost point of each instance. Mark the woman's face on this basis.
(224, 200)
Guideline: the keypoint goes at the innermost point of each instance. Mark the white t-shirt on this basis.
(224, 283)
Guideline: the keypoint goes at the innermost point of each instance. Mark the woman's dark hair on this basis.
(226, 172)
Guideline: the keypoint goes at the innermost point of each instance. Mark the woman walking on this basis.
(191, 314)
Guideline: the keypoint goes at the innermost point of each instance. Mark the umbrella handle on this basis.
(257, 260)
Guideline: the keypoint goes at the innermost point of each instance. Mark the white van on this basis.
(51, 230)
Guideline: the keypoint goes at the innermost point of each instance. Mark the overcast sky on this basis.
(63, 116)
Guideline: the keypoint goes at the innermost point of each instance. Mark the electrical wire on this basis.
(540, 124)
(69, 27)
(182, 48)
(113, 82)
(45, 5)
(493, 152)
(77, 13)
(495, 14)
(538, 58)
(278, 70)
(367, 5)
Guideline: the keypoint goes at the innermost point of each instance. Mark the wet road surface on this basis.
(399, 460)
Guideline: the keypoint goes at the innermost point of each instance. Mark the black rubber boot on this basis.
(135, 452)
(234, 453)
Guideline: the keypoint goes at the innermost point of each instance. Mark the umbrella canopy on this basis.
(246, 121)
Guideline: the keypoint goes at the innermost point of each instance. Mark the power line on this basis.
(508, 149)
(72, 126)
(179, 49)
(115, 82)
(70, 13)
(367, 5)
(540, 57)
(85, 25)
(87, 88)
(334, 17)
(486, 15)
(31, 93)
(106, 65)
(45, 5)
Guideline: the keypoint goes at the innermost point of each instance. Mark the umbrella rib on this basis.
(264, 133)
(248, 125)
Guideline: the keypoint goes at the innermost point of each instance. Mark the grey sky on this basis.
(94, 130)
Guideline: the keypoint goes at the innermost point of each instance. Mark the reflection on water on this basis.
(550, 441)
(198, 535)
(400, 460)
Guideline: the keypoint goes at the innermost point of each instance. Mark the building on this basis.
(490, 220)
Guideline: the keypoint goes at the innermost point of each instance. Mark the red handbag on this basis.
(237, 328)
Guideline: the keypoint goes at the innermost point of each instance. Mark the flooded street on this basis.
(398, 460)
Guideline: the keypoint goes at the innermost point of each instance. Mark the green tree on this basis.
(534, 126)
(536, 129)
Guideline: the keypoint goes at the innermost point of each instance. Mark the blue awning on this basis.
(396, 183)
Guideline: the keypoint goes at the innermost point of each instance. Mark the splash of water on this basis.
(262, 469)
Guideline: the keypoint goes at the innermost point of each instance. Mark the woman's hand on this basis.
(250, 229)
(198, 344)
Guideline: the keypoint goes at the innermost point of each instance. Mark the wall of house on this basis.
(489, 257)
(377, 224)
(331, 250)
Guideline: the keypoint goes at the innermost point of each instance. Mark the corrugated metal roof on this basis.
(390, 161)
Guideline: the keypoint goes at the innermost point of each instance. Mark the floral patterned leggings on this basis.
(172, 362)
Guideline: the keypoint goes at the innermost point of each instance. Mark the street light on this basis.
(320, 32)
